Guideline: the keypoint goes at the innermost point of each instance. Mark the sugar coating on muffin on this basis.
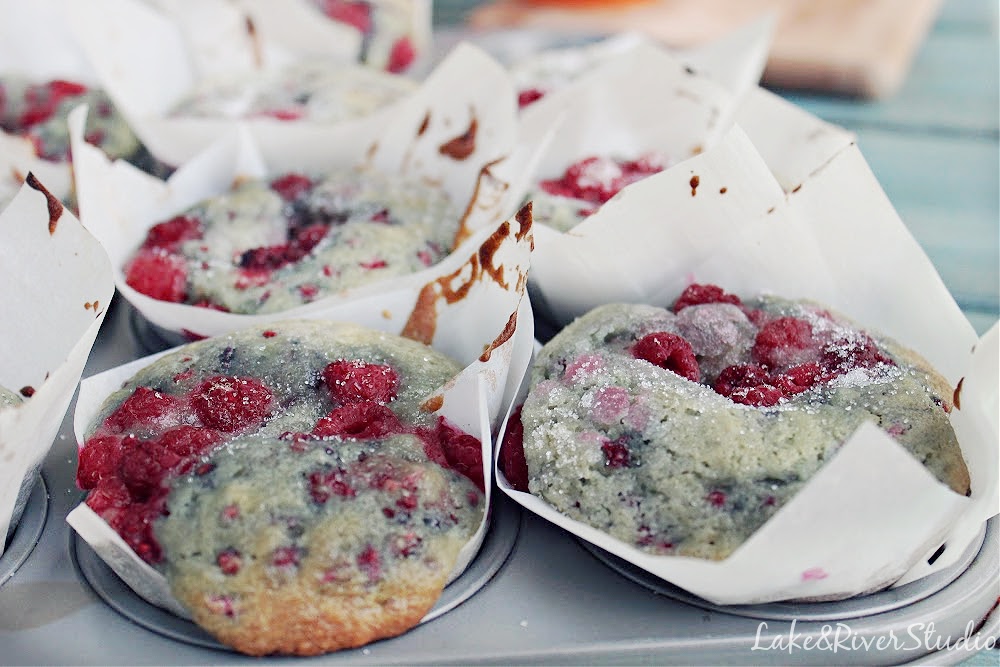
(290, 483)
(681, 432)
(270, 245)
(317, 91)
(8, 398)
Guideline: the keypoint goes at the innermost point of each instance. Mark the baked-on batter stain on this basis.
(27, 391)
(695, 182)
(432, 404)
(463, 145)
(424, 124)
(95, 305)
(796, 188)
(463, 225)
(723, 190)
(455, 286)
(422, 323)
(251, 28)
(55, 206)
(956, 398)
(525, 219)
(504, 336)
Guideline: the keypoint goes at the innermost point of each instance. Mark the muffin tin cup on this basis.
(23, 536)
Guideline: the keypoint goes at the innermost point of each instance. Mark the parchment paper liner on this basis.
(119, 203)
(873, 515)
(490, 330)
(735, 61)
(58, 285)
(35, 42)
(149, 58)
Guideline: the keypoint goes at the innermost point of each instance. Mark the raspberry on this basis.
(716, 498)
(786, 341)
(99, 460)
(401, 56)
(668, 351)
(463, 451)
(170, 234)
(616, 453)
(286, 556)
(291, 186)
(357, 14)
(323, 484)
(748, 384)
(158, 274)
(110, 495)
(696, 294)
(290, 113)
(799, 378)
(144, 408)
(231, 403)
(432, 446)
(405, 545)
(229, 561)
(362, 421)
(305, 240)
(188, 441)
(265, 258)
(528, 96)
(512, 461)
(370, 563)
(356, 381)
(846, 354)
(144, 467)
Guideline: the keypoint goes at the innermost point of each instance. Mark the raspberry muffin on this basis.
(270, 245)
(316, 91)
(38, 111)
(682, 431)
(290, 483)
(562, 203)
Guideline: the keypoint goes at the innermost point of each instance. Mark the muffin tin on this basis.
(533, 595)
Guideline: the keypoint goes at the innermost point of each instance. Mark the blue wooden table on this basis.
(933, 146)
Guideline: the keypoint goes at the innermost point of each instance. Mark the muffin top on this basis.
(681, 432)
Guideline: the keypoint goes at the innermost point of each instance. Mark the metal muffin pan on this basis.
(548, 600)
(27, 532)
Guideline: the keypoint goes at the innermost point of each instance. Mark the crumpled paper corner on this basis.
(59, 286)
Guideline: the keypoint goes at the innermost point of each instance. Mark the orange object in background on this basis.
(590, 4)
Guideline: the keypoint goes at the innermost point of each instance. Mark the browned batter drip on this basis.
(695, 182)
(433, 404)
(55, 206)
(463, 227)
(525, 220)
(424, 125)
(504, 336)
(463, 145)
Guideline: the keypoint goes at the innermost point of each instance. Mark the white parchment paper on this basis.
(873, 513)
(58, 286)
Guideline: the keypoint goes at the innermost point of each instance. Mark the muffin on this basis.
(38, 110)
(314, 90)
(270, 245)
(290, 482)
(681, 432)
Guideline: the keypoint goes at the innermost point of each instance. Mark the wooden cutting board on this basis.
(853, 47)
